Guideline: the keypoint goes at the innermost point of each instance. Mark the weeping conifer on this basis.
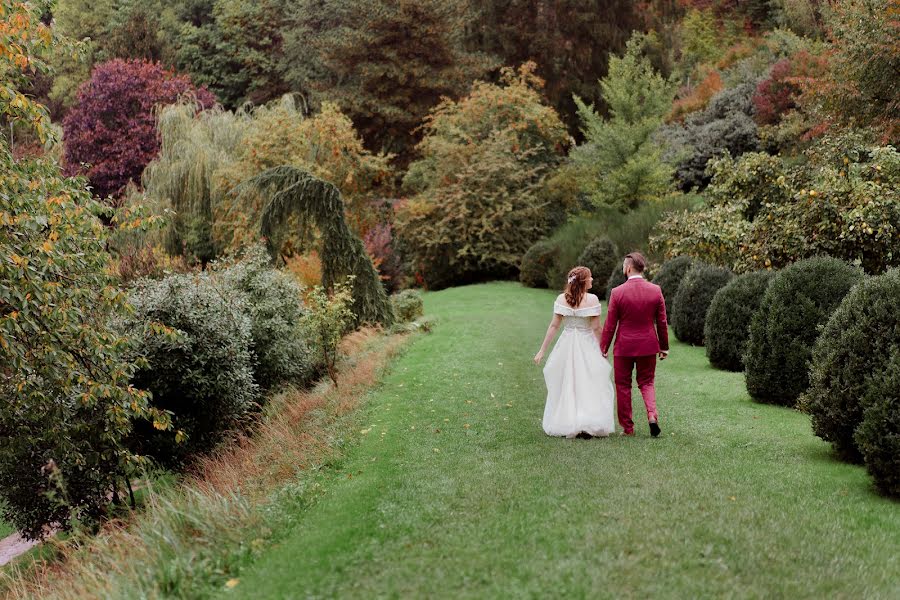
(292, 191)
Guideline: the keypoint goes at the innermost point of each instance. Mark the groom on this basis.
(637, 317)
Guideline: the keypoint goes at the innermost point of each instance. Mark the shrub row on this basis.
(854, 392)
(818, 335)
(212, 343)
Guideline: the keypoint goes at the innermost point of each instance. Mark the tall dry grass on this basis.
(189, 539)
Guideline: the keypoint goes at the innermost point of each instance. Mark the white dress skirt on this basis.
(580, 392)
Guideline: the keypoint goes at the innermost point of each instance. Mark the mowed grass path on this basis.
(455, 491)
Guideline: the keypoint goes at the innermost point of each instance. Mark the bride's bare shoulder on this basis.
(561, 299)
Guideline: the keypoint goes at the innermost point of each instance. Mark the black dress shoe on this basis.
(584, 436)
(654, 429)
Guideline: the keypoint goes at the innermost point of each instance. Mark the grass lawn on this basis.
(455, 491)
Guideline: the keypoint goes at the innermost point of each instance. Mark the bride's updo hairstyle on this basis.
(576, 285)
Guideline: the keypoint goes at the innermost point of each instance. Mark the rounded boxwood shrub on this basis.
(692, 301)
(616, 278)
(784, 330)
(600, 256)
(669, 278)
(273, 302)
(536, 264)
(850, 361)
(727, 327)
(199, 365)
(408, 305)
(878, 436)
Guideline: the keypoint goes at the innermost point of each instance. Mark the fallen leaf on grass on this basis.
(466, 425)
(232, 583)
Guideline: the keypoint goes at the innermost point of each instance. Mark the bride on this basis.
(579, 389)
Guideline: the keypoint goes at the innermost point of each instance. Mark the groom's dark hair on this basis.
(638, 262)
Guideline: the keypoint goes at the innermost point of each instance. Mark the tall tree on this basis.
(386, 63)
(570, 40)
(620, 160)
(235, 50)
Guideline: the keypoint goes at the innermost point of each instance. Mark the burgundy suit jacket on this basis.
(637, 317)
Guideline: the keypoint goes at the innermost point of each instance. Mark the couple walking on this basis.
(577, 373)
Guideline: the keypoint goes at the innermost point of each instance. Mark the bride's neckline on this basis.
(564, 305)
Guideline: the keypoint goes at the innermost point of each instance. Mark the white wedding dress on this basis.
(580, 393)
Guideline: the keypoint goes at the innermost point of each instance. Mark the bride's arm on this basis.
(551, 333)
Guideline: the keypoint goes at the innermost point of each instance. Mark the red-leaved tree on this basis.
(110, 134)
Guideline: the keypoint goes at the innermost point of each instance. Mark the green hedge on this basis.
(669, 278)
(537, 263)
(854, 393)
(695, 294)
(784, 330)
(600, 256)
(727, 328)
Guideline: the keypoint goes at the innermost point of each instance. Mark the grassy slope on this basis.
(736, 499)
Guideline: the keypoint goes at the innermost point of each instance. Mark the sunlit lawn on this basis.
(455, 490)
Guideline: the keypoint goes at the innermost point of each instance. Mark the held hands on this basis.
(539, 357)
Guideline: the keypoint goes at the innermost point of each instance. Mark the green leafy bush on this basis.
(204, 375)
(727, 327)
(327, 321)
(600, 256)
(669, 278)
(695, 294)
(843, 202)
(537, 263)
(408, 305)
(273, 302)
(784, 330)
(850, 362)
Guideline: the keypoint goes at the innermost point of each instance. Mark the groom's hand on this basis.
(663, 354)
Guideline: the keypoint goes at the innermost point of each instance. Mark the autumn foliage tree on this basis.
(65, 373)
(385, 63)
(110, 134)
(477, 202)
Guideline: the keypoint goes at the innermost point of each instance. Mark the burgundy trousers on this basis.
(646, 371)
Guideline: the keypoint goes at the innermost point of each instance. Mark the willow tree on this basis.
(194, 146)
(317, 203)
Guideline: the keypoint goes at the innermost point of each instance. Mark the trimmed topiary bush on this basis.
(784, 330)
(199, 365)
(695, 294)
(408, 305)
(727, 327)
(850, 362)
(616, 278)
(878, 436)
(669, 278)
(273, 302)
(537, 263)
(600, 256)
